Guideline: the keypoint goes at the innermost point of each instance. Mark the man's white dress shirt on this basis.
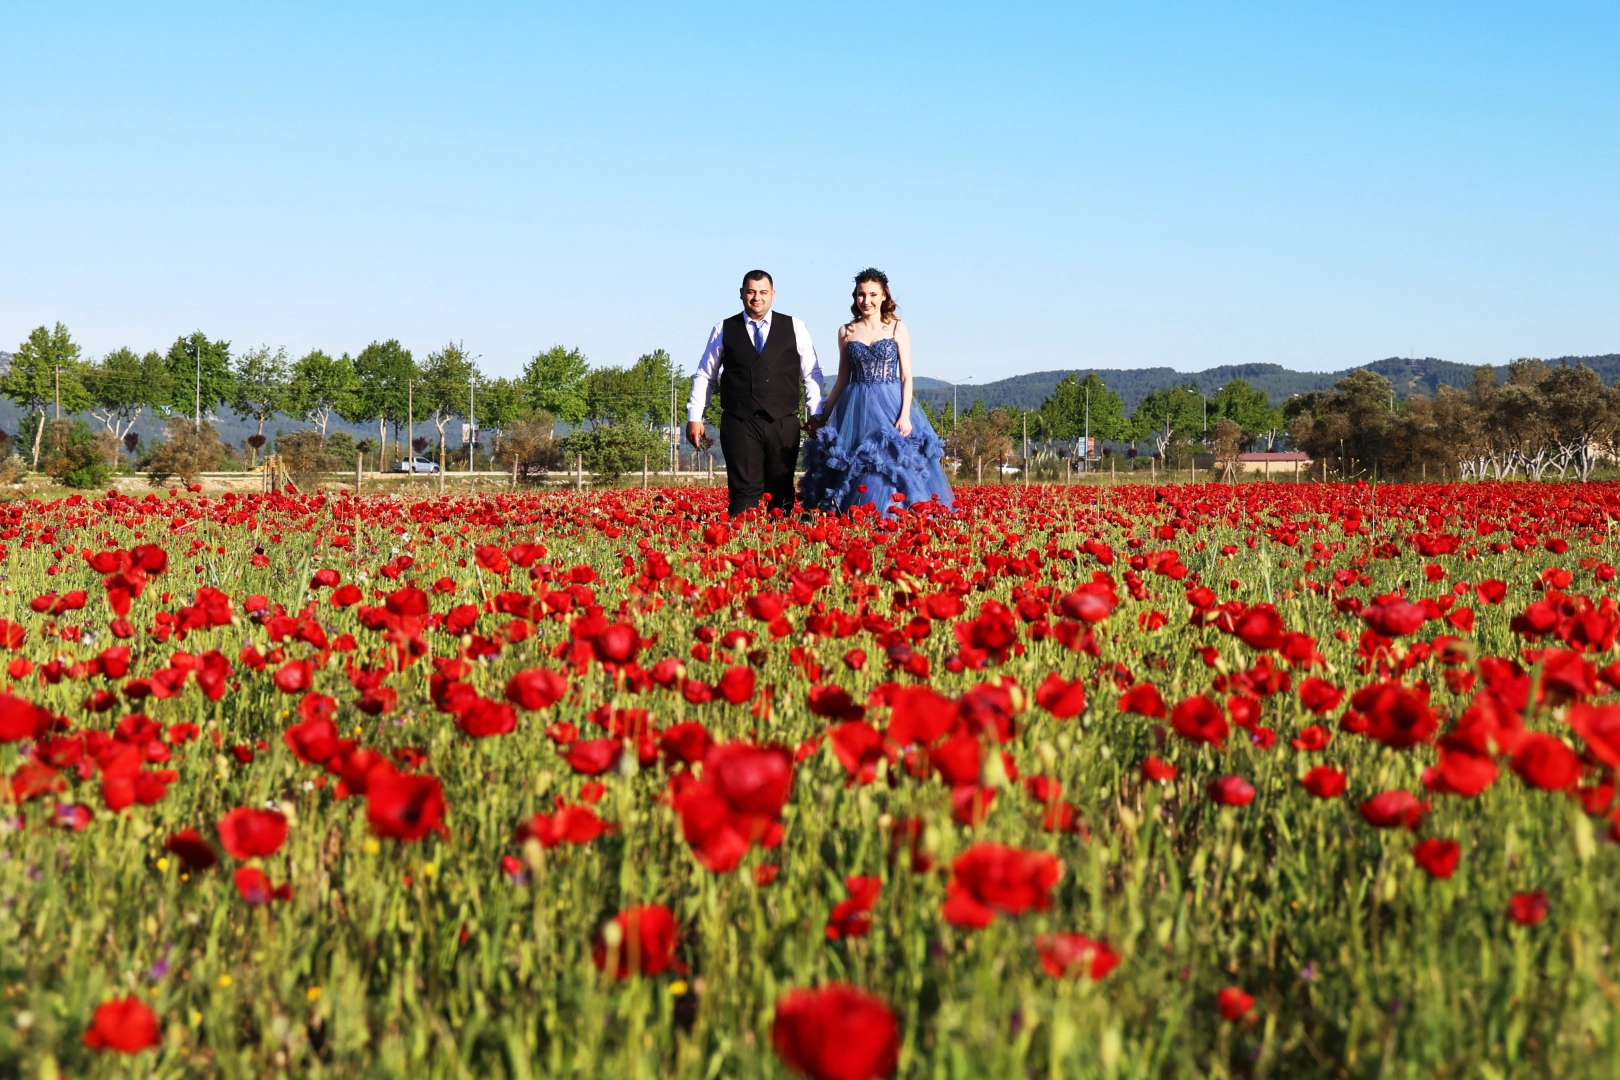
(708, 369)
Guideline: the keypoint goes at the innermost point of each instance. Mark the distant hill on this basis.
(1132, 385)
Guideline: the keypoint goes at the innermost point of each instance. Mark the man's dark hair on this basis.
(755, 275)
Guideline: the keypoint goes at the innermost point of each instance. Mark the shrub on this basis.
(533, 445)
(304, 456)
(612, 450)
(185, 453)
(76, 456)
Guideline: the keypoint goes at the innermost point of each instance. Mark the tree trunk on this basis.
(39, 434)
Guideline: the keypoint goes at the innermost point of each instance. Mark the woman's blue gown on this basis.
(858, 457)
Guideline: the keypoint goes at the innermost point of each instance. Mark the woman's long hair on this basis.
(889, 309)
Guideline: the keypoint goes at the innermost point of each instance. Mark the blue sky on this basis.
(1047, 185)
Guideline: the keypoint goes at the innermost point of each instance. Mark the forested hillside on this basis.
(1278, 383)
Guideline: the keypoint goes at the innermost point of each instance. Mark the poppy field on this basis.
(1198, 780)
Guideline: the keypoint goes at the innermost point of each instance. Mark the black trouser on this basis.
(761, 455)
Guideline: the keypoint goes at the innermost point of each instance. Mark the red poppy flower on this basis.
(1319, 695)
(569, 825)
(405, 806)
(1200, 720)
(685, 743)
(293, 677)
(859, 748)
(1438, 857)
(1323, 782)
(1397, 716)
(1599, 726)
(1312, 739)
(593, 757)
(637, 941)
(1397, 618)
(852, 917)
(1231, 791)
(192, 850)
(1544, 761)
(1233, 1003)
(1260, 627)
(1159, 772)
(737, 685)
(736, 804)
(126, 1025)
(536, 688)
(918, 715)
(836, 1032)
(1460, 773)
(1064, 700)
(1143, 699)
(990, 879)
(1075, 954)
(312, 741)
(255, 888)
(485, 718)
(1394, 809)
(248, 833)
(21, 719)
(1527, 908)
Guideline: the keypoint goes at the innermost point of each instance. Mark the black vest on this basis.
(752, 381)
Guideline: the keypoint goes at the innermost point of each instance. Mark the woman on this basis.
(869, 444)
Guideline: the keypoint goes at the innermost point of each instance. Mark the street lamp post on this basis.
(472, 417)
(954, 411)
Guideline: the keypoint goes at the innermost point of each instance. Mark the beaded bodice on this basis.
(878, 362)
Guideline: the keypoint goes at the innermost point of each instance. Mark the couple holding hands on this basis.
(868, 443)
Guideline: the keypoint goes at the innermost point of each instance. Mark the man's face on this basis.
(757, 296)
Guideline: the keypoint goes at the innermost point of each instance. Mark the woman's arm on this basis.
(902, 341)
(843, 373)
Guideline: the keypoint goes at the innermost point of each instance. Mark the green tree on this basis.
(1171, 419)
(384, 371)
(659, 376)
(1247, 407)
(501, 404)
(45, 365)
(1353, 426)
(615, 395)
(321, 386)
(1074, 400)
(448, 379)
(554, 382)
(124, 385)
(200, 376)
(262, 384)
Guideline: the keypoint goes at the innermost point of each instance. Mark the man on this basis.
(761, 359)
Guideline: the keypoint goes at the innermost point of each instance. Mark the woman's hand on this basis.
(903, 425)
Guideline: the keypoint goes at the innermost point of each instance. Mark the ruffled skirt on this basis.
(858, 457)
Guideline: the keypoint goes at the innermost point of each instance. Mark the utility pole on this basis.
(57, 372)
(410, 429)
(1085, 454)
(674, 429)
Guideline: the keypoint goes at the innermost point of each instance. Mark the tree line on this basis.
(1171, 422)
(614, 410)
(1542, 419)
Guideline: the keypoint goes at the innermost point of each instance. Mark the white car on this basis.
(417, 464)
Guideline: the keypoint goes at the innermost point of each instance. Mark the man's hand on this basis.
(694, 434)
